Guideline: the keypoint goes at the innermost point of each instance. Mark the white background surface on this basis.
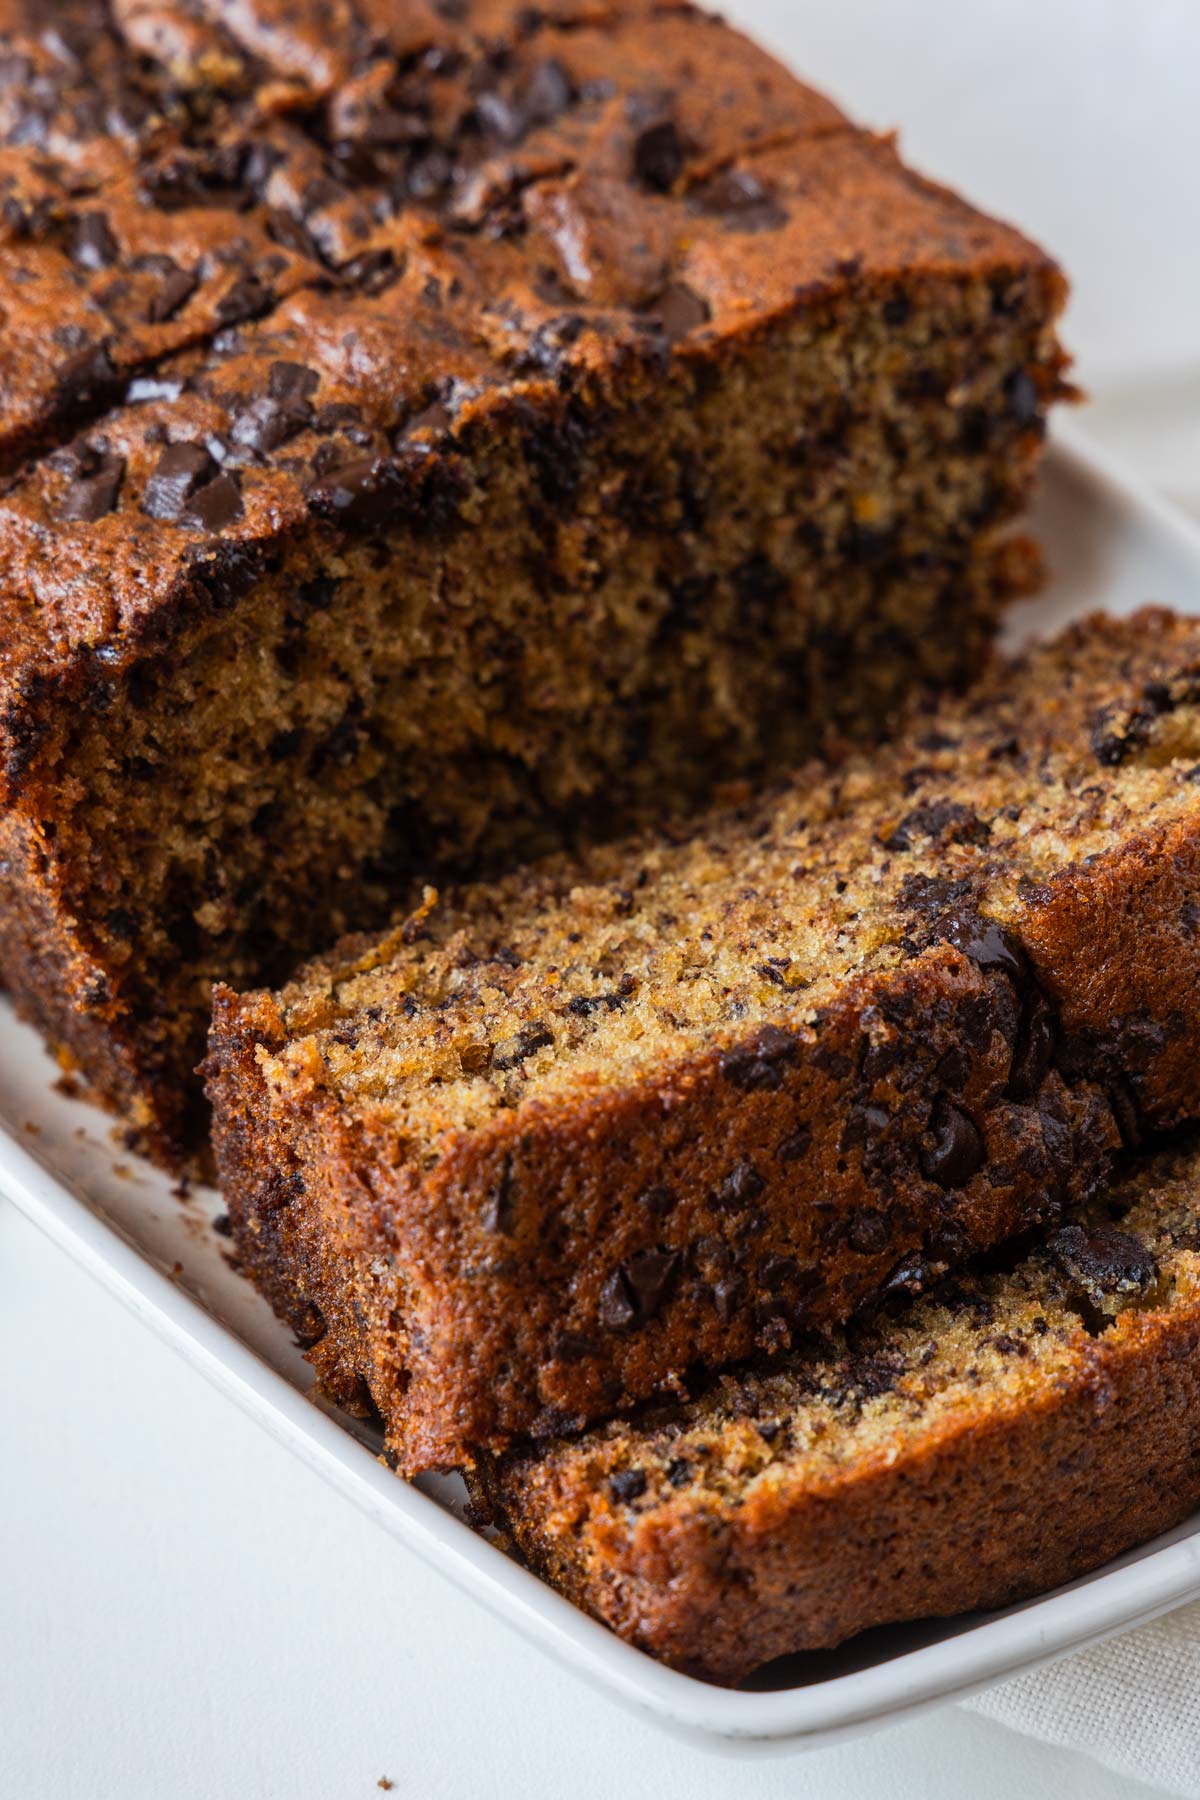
(184, 1610)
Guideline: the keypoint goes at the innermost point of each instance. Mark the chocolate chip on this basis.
(989, 946)
(618, 1308)
(957, 1149)
(174, 290)
(93, 495)
(292, 381)
(795, 1146)
(1034, 1049)
(93, 245)
(271, 420)
(657, 1201)
(759, 1063)
(627, 1484)
(248, 295)
(511, 1051)
(943, 822)
(548, 92)
(649, 1275)
(658, 156)
(679, 1471)
(634, 1292)
(727, 1297)
(499, 1210)
(1103, 1263)
(214, 506)
(181, 470)
(868, 1231)
(910, 1276)
(741, 201)
(740, 1188)
(678, 311)
(86, 377)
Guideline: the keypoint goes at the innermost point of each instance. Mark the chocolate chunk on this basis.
(547, 94)
(740, 1188)
(795, 1146)
(86, 377)
(1034, 1049)
(248, 295)
(727, 1297)
(214, 506)
(181, 470)
(1119, 733)
(511, 1051)
(679, 1471)
(94, 494)
(1104, 1264)
(910, 1276)
(634, 1292)
(618, 1307)
(957, 1150)
(272, 419)
(288, 381)
(741, 201)
(658, 1201)
(649, 1274)
(760, 1062)
(627, 1485)
(658, 156)
(93, 245)
(942, 821)
(989, 946)
(868, 1231)
(499, 1212)
(678, 311)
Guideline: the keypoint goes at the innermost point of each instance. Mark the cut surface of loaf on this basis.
(431, 434)
(561, 1136)
(1012, 1431)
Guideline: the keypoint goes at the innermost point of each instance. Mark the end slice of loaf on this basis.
(562, 1136)
(1008, 1434)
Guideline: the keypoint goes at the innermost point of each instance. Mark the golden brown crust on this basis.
(585, 1229)
(934, 1486)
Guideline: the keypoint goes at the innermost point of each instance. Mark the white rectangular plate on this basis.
(1110, 545)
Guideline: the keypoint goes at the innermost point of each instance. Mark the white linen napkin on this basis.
(1132, 1703)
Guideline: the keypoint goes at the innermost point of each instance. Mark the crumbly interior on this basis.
(994, 1339)
(594, 971)
(759, 559)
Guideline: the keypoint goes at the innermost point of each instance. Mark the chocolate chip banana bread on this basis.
(431, 433)
(562, 1135)
(1014, 1430)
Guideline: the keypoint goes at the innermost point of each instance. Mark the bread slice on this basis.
(1008, 1433)
(433, 433)
(561, 1136)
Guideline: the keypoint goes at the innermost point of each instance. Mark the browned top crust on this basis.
(275, 266)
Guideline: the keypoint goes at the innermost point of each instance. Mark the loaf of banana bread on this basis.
(1014, 1430)
(563, 1135)
(431, 433)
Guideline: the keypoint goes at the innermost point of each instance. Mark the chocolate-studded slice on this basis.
(561, 1137)
(1012, 1430)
